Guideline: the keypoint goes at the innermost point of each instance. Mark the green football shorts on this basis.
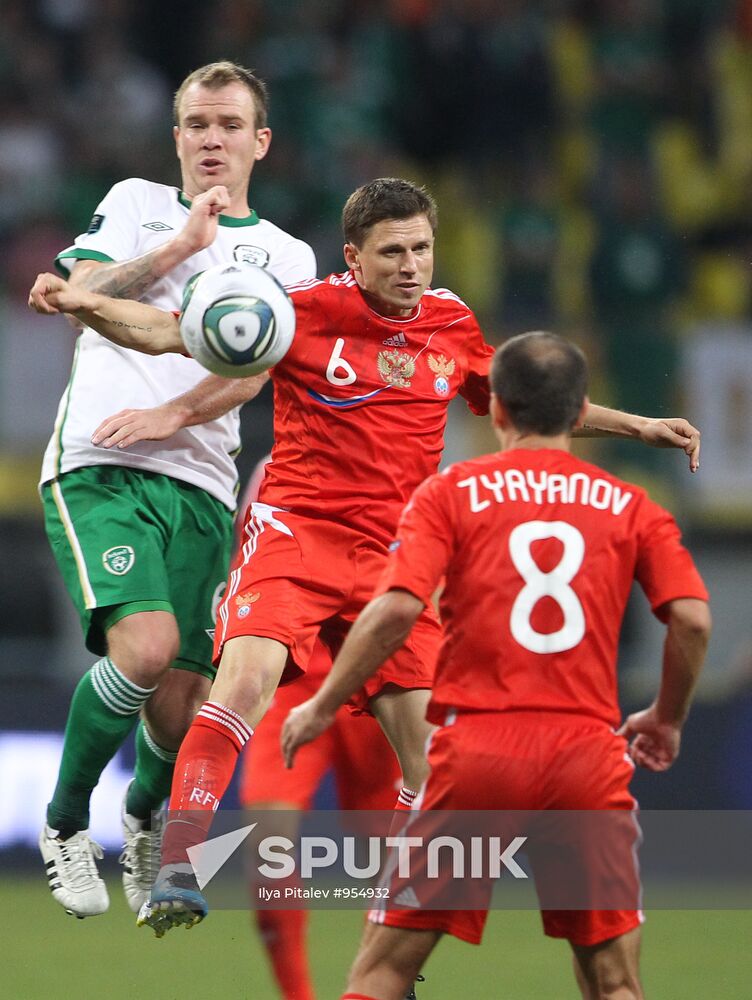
(128, 540)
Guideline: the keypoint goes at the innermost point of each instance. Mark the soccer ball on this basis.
(236, 319)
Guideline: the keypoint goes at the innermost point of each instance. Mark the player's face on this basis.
(394, 265)
(217, 140)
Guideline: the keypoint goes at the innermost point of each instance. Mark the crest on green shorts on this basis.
(118, 559)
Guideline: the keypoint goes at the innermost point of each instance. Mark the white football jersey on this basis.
(135, 217)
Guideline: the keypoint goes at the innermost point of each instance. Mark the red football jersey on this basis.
(539, 550)
(360, 402)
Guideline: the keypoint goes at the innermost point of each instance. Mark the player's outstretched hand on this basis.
(130, 426)
(50, 294)
(673, 432)
(303, 724)
(652, 744)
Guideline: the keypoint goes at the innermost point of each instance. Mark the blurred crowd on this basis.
(592, 158)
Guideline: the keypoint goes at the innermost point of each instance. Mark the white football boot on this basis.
(141, 857)
(72, 872)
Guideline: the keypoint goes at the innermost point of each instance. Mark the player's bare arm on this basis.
(211, 398)
(659, 432)
(130, 279)
(127, 322)
(655, 732)
(380, 630)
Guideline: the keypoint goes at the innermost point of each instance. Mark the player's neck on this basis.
(239, 207)
(386, 309)
(510, 438)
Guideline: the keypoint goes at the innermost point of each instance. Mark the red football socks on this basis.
(283, 933)
(203, 770)
(405, 799)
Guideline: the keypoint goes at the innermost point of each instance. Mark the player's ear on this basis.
(263, 141)
(583, 411)
(350, 252)
(499, 416)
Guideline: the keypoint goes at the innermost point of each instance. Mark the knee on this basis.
(247, 694)
(248, 675)
(616, 985)
(144, 649)
(609, 974)
(389, 960)
(153, 660)
(370, 969)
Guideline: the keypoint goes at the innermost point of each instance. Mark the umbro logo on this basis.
(157, 227)
(398, 340)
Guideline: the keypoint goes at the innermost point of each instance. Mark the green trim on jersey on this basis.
(76, 253)
(60, 424)
(225, 220)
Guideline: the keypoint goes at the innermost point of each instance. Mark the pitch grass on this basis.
(691, 955)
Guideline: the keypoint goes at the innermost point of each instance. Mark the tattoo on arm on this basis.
(123, 280)
(131, 326)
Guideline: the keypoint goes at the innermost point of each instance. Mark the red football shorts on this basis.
(531, 761)
(295, 577)
(365, 767)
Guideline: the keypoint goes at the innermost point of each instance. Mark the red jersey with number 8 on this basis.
(539, 550)
(360, 402)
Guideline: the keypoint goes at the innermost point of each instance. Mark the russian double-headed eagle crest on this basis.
(244, 602)
(396, 368)
(442, 368)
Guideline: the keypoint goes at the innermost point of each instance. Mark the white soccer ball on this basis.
(236, 319)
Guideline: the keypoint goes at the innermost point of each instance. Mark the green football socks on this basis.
(103, 710)
(153, 776)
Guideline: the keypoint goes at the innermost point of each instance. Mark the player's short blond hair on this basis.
(220, 74)
(382, 199)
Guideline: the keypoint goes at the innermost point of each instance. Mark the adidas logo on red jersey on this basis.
(398, 340)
